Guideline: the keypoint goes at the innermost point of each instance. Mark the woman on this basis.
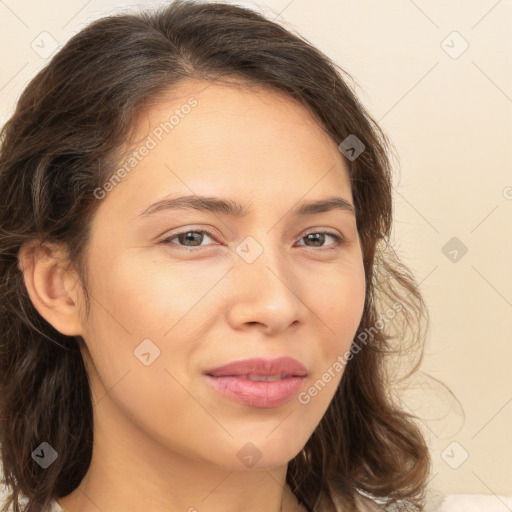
(198, 294)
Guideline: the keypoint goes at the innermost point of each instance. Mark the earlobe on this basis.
(51, 286)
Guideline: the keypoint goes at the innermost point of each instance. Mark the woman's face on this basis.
(256, 286)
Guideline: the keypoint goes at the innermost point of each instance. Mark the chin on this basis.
(260, 453)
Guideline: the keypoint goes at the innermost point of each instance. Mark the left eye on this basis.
(196, 236)
(320, 237)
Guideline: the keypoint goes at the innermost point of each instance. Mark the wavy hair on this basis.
(63, 142)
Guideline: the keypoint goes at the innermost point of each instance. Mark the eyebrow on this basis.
(234, 209)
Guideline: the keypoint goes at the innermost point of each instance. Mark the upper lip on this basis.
(255, 367)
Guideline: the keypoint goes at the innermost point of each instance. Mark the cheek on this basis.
(142, 314)
(142, 301)
(338, 308)
(340, 301)
(132, 359)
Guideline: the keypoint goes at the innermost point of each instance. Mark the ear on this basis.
(51, 285)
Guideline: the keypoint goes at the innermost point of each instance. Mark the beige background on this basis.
(449, 114)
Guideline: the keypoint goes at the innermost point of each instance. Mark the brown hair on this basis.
(63, 142)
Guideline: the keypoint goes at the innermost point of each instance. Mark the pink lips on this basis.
(231, 380)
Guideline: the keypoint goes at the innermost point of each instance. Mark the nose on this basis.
(265, 293)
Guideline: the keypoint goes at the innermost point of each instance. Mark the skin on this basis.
(164, 440)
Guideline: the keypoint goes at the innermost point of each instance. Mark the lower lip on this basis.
(257, 393)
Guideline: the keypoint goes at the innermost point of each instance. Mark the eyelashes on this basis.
(339, 241)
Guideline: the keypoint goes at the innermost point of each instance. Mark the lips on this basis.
(282, 367)
(257, 394)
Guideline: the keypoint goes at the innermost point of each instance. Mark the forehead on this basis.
(243, 115)
(223, 139)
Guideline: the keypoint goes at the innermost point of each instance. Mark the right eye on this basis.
(192, 236)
